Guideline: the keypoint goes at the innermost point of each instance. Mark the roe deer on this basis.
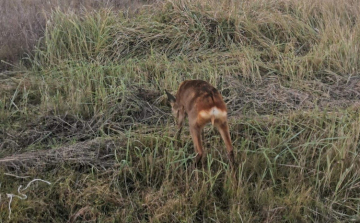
(202, 103)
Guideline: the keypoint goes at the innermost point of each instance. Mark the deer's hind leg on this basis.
(223, 128)
(196, 124)
(195, 131)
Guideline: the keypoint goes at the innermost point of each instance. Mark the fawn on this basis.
(202, 103)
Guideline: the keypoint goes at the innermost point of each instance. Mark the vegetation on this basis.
(87, 112)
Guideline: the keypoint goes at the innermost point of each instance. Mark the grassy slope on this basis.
(22, 22)
(287, 69)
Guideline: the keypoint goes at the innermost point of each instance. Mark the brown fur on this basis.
(199, 100)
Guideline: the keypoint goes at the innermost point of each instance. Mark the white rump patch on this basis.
(212, 113)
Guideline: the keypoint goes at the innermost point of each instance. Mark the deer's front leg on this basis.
(180, 122)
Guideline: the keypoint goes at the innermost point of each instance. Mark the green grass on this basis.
(89, 115)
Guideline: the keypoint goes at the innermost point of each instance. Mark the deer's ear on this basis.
(171, 97)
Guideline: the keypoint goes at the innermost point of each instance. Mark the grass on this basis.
(88, 113)
(23, 23)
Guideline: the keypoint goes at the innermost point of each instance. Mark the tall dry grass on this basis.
(90, 115)
(22, 23)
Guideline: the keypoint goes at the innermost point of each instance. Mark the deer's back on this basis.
(199, 95)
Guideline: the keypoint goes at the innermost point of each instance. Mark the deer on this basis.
(201, 103)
